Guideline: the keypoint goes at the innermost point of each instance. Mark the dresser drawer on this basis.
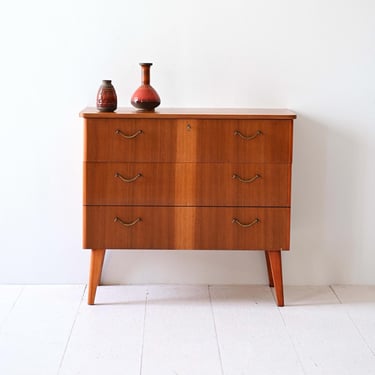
(184, 140)
(117, 227)
(186, 184)
(122, 140)
(255, 141)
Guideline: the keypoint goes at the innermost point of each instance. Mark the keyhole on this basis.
(188, 127)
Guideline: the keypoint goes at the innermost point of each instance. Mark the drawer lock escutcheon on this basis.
(124, 223)
(246, 180)
(248, 137)
(128, 136)
(128, 180)
(245, 225)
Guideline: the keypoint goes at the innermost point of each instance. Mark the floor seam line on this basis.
(215, 329)
(360, 334)
(143, 334)
(335, 294)
(353, 322)
(12, 308)
(71, 331)
(291, 339)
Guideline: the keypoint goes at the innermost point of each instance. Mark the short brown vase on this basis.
(106, 99)
(145, 97)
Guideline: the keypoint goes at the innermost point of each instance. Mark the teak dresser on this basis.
(204, 179)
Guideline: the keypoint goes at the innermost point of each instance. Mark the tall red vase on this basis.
(145, 97)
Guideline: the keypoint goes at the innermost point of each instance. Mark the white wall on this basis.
(314, 57)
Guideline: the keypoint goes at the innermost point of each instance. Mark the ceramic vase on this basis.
(145, 97)
(106, 99)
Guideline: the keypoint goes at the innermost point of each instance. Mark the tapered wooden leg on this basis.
(270, 278)
(96, 266)
(274, 258)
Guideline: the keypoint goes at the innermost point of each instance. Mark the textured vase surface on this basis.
(106, 99)
(145, 97)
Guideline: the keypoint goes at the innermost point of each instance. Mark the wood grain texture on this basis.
(187, 184)
(274, 258)
(180, 179)
(269, 270)
(96, 266)
(194, 140)
(186, 228)
(228, 113)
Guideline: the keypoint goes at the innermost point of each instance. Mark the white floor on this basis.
(186, 330)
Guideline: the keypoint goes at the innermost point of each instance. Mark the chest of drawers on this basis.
(187, 179)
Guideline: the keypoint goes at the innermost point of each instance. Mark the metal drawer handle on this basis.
(122, 222)
(236, 221)
(248, 137)
(247, 180)
(124, 179)
(126, 136)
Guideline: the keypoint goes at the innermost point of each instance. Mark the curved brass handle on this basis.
(247, 180)
(126, 136)
(125, 224)
(236, 221)
(124, 179)
(248, 137)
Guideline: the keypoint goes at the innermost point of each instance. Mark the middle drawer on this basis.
(186, 184)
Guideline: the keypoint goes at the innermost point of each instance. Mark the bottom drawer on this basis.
(226, 228)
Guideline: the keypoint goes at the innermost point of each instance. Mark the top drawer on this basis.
(184, 140)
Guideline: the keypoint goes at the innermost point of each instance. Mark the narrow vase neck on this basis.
(145, 73)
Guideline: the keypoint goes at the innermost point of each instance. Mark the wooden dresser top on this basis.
(228, 113)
